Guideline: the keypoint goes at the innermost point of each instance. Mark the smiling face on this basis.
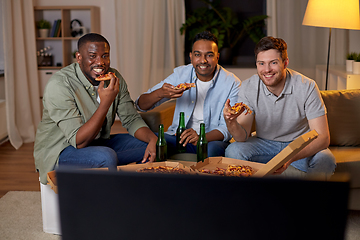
(204, 57)
(272, 70)
(94, 60)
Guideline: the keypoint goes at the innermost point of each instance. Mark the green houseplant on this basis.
(43, 27)
(350, 58)
(43, 24)
(356, 64)
(223, 23)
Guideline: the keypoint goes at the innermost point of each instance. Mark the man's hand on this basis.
(229, 117)
(150, 152)
(168, 91)
(283, 168)
(189, 136)
(108, 94)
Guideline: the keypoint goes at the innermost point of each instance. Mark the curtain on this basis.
(149, 42)
(307, 45)
(21, 78)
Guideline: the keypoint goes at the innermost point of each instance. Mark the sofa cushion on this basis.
(161, 114)
(348, 161)
(343, 112)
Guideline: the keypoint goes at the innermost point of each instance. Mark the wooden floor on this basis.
(17, 167)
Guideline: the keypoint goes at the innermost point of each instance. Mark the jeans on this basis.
(215, 148)
(120, 149)
(261, 150)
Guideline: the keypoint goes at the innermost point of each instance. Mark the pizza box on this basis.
(51, 177)
(135, 167)
(261, 169)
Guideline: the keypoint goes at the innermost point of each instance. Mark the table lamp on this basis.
(342, 14)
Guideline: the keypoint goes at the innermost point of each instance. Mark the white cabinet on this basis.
(3, 127)
(338, 79)
(44, 76)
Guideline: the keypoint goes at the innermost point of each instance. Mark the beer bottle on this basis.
(161, 145)
(181, 128)
(202, 145)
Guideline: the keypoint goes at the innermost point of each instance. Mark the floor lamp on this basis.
(342, 14)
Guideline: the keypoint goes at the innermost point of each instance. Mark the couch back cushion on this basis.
(343, 112)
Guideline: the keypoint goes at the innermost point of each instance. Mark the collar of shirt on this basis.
(213, 80)
(288, 88)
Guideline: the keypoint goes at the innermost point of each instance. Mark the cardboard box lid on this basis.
(261, 169)
(51, 177)
(286, 154)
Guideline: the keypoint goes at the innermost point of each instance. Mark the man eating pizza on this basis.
(80, 110)
(286, 104)
(207, 87)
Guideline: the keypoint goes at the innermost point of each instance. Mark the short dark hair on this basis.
(91, 37)
(205, 35)
(267, 43)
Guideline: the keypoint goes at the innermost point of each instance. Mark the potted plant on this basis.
(356, 64)
(350, 57)
(224, 24)
(44, 27)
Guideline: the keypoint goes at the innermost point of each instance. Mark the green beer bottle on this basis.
(161, 145)
(202, 145)
(181, 128)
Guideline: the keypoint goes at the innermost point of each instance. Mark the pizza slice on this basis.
(237, 107)
(185, 86)
(104, 77)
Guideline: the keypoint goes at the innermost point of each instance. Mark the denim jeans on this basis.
(120, 149)
(215, 148)
(261, 150)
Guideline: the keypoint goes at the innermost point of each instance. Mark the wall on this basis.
(107, 28)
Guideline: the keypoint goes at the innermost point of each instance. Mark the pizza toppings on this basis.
(185, 86)
(163, 169)
(232, 171)
(105, 77)
(237, 107)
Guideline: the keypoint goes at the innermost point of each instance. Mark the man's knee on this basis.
(234, 151)
(324, 161)
(107, 157)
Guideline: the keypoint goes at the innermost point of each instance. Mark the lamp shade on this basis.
(333, 14)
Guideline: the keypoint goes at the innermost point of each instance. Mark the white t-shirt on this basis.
(198, 114)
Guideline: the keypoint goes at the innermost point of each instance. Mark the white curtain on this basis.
(149, 42)
(21, 78)
(307, 45)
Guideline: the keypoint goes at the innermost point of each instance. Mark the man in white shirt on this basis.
(202, 104)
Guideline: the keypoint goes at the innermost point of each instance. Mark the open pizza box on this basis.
(135, 167)
(211, 163)
(260, 169)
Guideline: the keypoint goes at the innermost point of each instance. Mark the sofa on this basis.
(343, 109)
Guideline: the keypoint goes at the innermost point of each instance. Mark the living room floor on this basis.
(17, 173)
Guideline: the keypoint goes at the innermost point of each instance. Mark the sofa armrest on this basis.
(161, 114)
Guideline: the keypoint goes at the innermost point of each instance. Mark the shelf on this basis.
(62, 47)
(338, 79)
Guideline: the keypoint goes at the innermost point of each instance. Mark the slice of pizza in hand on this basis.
(237, 107)
(185, 86)
(105, 77)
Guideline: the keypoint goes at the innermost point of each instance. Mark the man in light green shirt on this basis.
(79, 112)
